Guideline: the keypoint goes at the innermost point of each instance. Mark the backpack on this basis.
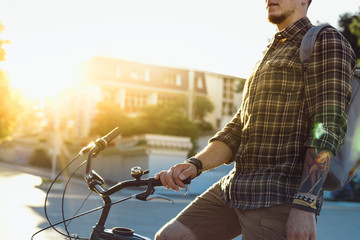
(345, 164)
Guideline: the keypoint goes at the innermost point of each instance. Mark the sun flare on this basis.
(49, 37)
(41, 79)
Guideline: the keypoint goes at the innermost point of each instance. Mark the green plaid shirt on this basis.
(281, 115)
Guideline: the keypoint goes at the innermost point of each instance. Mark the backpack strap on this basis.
(306, 51)
(307, 44)
(357, 74)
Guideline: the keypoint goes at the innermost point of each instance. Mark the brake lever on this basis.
(144, 195)
(157, 196)
(187, 190)
(149, 193)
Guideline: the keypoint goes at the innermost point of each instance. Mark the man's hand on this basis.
(301, 225)
(173, 177)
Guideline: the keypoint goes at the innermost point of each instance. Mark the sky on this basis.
(50, 38)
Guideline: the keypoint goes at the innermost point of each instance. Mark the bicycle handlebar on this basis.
(97, 146)
(112, 135)
(95, 181)
(101, 143)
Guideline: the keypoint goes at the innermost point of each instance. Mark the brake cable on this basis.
(63, 198)
(50, 187)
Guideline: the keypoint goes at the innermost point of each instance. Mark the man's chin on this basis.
(276, 18)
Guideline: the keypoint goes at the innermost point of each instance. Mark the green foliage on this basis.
(168, 118)
(10, 107)
(240, 86)
(202, 106)
(355, 27)
(204, 126)
(352, 35)
(2, 51)
(40, 158)
(179, 125)
(152, 119)
(109, 115)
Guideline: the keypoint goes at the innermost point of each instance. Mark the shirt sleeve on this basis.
(230, 134)
(328, 90)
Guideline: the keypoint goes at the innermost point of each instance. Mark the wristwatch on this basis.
(197, 163)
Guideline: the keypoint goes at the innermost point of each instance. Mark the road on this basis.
(22, 214)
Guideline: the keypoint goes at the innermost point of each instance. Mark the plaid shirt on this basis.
(281, 115)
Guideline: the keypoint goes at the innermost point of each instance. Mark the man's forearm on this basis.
(316, 168)
(214, 154)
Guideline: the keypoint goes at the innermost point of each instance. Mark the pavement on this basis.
(22, 200)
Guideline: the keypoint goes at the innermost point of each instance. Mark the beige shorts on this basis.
(209, 218)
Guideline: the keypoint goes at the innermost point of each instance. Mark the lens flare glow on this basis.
(319, 130)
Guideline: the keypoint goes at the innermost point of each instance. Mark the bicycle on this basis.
(96, 184)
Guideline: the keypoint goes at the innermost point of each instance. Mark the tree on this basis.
(109, 115)
(179, 125)
(166, 118)
(352, 35)
(202, 106)
(9, 110)
(355, 27)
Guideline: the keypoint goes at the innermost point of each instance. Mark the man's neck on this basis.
(289, 21)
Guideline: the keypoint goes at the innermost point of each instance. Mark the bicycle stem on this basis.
(100, 226)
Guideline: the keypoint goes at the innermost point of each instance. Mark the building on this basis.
(136, 85)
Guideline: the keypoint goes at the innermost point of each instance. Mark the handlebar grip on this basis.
(187, 181)
(111, 135)
(157, 182)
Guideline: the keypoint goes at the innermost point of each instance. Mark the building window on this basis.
(147, 76)
(167, 99)
(135, 76)
(172, 79)
(228, 109)
(228, 88)
(228, 97)
(178, 80)
(140, 75)
(118, 72)
(199, 83)
(134, 102)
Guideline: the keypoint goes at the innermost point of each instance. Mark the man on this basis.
(282, 140)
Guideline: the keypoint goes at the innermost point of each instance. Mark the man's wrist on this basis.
(304, 208)
(304, 203)
(197, 163)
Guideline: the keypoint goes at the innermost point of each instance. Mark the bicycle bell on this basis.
(137, 172)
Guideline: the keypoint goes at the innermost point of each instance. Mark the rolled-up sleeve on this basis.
(230, 134)
(328, 90)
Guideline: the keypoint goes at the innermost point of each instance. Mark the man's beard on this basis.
(277, 19)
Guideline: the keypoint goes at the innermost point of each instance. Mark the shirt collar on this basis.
(296, 31)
